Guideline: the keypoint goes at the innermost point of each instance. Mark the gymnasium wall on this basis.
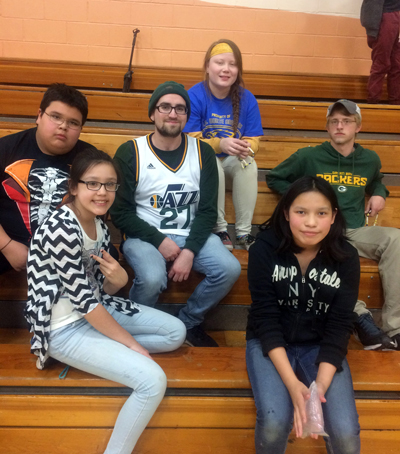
(311, 36)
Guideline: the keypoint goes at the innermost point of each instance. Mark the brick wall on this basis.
(176, 33)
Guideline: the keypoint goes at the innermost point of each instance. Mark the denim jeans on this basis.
(220, 267)
(83, 347)
(275, 408)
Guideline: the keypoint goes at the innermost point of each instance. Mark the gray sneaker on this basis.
(244, 241)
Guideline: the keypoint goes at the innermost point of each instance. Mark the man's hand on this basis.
(16, 254)
(116, 276)
(169, 249)
(235, 147)
(375, 204)
(180, 269)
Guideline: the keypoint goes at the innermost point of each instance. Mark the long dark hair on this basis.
(84, 161)
(333, 243)
(235, 90)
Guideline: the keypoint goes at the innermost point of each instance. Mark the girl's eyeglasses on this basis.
(96, 185)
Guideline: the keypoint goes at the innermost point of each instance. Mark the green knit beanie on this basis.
(167, 88)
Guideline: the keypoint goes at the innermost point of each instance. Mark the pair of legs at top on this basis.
(385, 57)
(221, 270)
(275, 408)
(383, 245)
(83, 347)
(243, 182)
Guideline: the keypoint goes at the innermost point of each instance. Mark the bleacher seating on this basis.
(132, 107)
(273, 150)
(111, 77)
(209, 405)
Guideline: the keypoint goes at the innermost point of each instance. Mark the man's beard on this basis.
(166, 132)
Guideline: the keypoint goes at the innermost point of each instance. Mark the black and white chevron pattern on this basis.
(55, 265)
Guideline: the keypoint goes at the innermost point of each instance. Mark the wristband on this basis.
(6, 245)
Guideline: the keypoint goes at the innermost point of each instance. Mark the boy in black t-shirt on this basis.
(34, 170)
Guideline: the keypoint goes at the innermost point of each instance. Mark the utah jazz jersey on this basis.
(167, 198)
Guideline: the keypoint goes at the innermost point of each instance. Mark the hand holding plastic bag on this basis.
(315, 417)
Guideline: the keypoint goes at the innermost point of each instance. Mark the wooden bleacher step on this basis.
(110, 77)
(133, 107)
(13, 285)
(208, 404)
(273, 149)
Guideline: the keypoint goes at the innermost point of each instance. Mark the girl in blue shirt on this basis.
(226, 115)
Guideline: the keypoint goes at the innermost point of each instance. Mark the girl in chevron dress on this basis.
(71, 311)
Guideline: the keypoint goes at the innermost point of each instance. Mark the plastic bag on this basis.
(315, 417)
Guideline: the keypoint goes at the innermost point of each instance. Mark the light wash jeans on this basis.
(83, 347)
(243, 183)
(220, 267)
(275, 408)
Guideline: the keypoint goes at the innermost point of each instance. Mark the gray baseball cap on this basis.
(350, 106)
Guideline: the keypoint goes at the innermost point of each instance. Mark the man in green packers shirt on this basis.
(166, 209)
(354, 172)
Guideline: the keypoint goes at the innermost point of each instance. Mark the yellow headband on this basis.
(221, 48)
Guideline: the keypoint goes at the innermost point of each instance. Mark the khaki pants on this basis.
(244, 193)
(382, 244)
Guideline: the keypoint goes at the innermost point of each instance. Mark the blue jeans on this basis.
(220, 267)
(275, 408)
(83, 347)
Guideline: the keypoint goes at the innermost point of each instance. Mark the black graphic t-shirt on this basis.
(32, 183)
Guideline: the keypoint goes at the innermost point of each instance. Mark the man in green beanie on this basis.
(166, 209)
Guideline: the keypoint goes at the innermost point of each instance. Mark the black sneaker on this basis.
(244, 241)
(197, 337)
(396, 341)
(372, 337)
(226, 240)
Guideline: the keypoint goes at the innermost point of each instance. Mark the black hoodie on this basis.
(288, 308)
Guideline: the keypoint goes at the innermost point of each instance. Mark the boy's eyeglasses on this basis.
(167, 108)
(345, 122)
(96, 185)
(59, 120)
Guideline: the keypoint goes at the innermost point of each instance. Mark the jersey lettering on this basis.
(344, 178)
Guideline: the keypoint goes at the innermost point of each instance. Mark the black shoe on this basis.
(244, 241)
(396, 341)
(372, 337)
(197, 337)
(226, 240)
